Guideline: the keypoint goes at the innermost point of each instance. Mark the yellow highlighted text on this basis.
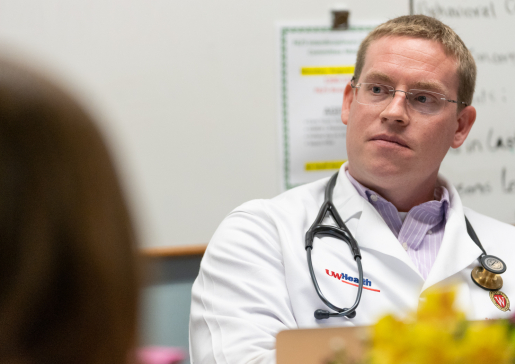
(327, 70)
(321, 166)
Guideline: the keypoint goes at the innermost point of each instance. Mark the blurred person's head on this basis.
(68, 289)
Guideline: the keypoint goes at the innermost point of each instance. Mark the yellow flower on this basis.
(438, 307)
(396, 342)
(438, 333)
(388, 341)
(486, 342)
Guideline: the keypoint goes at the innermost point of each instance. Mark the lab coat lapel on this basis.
(346, 199)
(365, 223)
(373, 233)
(458, 250)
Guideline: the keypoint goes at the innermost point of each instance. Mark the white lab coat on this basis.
(254, 279)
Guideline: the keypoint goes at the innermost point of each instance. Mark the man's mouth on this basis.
(391, 139)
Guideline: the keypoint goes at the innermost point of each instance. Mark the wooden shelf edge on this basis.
(174, 251)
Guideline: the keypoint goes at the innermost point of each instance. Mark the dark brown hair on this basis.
(68, 289)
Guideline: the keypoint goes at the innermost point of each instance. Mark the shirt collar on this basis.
(436, 208)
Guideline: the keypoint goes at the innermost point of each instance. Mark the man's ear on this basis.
(466, 119)
(348, 95)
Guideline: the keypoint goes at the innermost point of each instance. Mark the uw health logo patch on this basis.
(353, 281)
(500, 300)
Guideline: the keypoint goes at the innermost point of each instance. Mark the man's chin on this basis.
(379, 172)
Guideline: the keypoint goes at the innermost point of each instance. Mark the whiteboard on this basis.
(483, 169)
(185, 93)
(316, 65)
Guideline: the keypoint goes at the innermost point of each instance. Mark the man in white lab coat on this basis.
(408, 103)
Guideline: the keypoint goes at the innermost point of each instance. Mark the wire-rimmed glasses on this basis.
(422, 101)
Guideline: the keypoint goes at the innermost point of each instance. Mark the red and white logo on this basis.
(500, 300)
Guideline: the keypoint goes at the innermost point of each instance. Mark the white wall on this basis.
(186, 92)
(483, 169)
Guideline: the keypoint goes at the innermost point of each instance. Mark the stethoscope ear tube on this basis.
(340, 232)
(488, 275)
(474, 237)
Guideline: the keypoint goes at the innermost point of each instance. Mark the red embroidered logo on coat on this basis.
(500, 300)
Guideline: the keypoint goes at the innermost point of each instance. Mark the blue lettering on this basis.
(344, 276)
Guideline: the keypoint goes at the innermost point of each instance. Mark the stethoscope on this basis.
(486, 276)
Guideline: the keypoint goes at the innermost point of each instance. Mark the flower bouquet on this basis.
(437, 333)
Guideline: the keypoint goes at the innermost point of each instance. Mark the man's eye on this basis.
(425, 98)
(421, 98)
(376, 89)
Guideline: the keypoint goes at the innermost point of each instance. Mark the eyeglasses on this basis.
(423, 101)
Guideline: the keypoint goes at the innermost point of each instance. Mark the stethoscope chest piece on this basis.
(487, 275)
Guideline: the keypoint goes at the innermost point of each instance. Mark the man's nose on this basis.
(396, 110)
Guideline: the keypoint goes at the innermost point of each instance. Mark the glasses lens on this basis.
(425, 102)
(373, 94)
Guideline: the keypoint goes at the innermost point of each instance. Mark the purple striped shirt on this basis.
(422, 231)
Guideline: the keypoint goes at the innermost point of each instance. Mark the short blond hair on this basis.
(425, 27)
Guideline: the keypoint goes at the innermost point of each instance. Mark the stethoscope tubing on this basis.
(341, 311)
(342, 232)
